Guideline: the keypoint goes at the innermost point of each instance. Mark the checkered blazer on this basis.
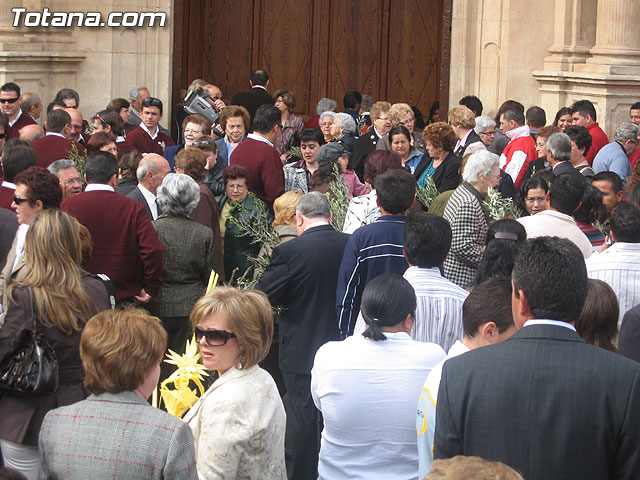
(115, 436)
(469, 226)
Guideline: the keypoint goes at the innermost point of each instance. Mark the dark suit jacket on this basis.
(565, 168)
(302, 277)
(252, 99)
(472, 138)
(365, 144)
(8, 228)
(446, 176)
(545, 403)
(136, 194)
(52, 147)
(629, 338)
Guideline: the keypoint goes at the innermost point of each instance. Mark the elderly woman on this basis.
(128, 162)
(344, 130)
(239, 204)
(298, 174)
(364, 209)
(541, 162)
(468, 220)
(324, 105)
(401, 115)
(326, 125)
(239, 423)
(486, 129)
(115, 433)
(462, 121)
(235, 123)
(291, 125)
(363, 443)
(104, 142)
(442, 164)
(193, 127)
(400, 139)
(55, 293)
(564, 119)
(190, 251)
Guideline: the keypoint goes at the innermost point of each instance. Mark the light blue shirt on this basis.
(613, 158)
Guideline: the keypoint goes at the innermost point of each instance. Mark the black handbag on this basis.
(33, 368)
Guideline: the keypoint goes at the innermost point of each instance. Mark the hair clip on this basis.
(506, 236)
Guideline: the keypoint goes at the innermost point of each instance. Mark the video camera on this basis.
(195, 103)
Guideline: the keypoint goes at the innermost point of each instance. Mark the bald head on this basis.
(76, 123)
(151, 171)
(32, 132)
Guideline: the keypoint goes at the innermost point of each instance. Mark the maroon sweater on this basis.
(52, 147)
(140, 140)
(23, 121)
(126, 246)
(6, 197)
(266, 178)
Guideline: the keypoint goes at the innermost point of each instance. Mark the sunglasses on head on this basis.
(17, 200)
(9, 100)
(213, 337)
(152, 102)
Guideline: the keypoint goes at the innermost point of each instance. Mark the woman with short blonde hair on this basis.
(234, 329)
(401, 115)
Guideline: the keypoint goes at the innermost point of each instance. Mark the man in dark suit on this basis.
(151, 171)
(126, 246)
(559, 155)
(302, 278)
(56, 144)
(16, 157)
(251, 99)
(629, 339)
(544, 402)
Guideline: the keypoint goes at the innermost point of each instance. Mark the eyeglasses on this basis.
(213, 337)
(2, 135)
(493, 132)
(17, 200)
(152, 102)
(382, 118)
(411, 121)
(73, 181)
(9, 100)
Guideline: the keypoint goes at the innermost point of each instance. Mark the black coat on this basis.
(446, 176)
(252, 99)
(472, 138)
(302, 277)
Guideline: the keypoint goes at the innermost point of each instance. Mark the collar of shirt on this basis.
(80, 138)
(518, 132)
(12, 123)
(260, 138)
(463, 140)
(21, 236)
(120, 139)
(144, 127)
(259, 86)
(559, 215)
(151, 200)
(95, 187)
(376, 132)
(8, 185)
(316, 224)
(56, 134)
(557, 323)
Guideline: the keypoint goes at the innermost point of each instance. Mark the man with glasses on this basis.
(148, 138)
(614, 157)
(367, 142)
(57, 143)
(10, 99)
(68, 175)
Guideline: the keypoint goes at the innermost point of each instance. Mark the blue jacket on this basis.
(372, 250)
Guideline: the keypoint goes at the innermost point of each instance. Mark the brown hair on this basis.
(598, 321)
(284, 207)
(234, 111)
(234, 172)
(545, 132)
(128, 162)
(462, 116)
(192, 161)
(379, 161)
(288, 98)
(119, 348)
(471, 468)
(250, 319)
(440, 134)
(198, 120)
(99, 140)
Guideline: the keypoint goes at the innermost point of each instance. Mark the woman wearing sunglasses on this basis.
(238, 425)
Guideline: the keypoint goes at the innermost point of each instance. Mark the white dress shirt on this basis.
(151, 200)
(260, 138)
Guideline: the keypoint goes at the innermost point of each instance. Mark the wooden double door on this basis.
(393, 50)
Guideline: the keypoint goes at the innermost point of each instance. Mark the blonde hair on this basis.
(378, 108)
(462, 116)
(284, 207)
(119, 348)
(250, 319)
(398, 111)
(471, 468)
(52, 255)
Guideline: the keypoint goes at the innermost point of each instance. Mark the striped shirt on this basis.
(619, 266)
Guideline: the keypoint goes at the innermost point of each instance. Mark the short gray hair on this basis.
(480, 162)
(147, 164)
(314, 205)
(328, 113)
(29, 100)
(626, 131)
(134, 93)
(58, 165)
(178, 195)
(475, 147)
(482, 123)
(346, 122)
(559, 145)
(326, 104)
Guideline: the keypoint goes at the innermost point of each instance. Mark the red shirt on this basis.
(519, 153)
(140, 140)
(23, 121)
(598, 140)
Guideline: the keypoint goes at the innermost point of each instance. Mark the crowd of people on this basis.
(357, 330)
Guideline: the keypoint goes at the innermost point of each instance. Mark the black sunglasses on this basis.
(152, 102)
(2, 135)
(17, 200)
(213, 337)
(10, 100)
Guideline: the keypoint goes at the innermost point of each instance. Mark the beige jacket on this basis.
(8, 274)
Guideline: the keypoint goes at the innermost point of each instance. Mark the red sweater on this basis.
(126, 246)
(23, 121)
(516, 157)
(266, 177)
(598, 140)
(52, 147)
(6, 197)
(140, 140)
